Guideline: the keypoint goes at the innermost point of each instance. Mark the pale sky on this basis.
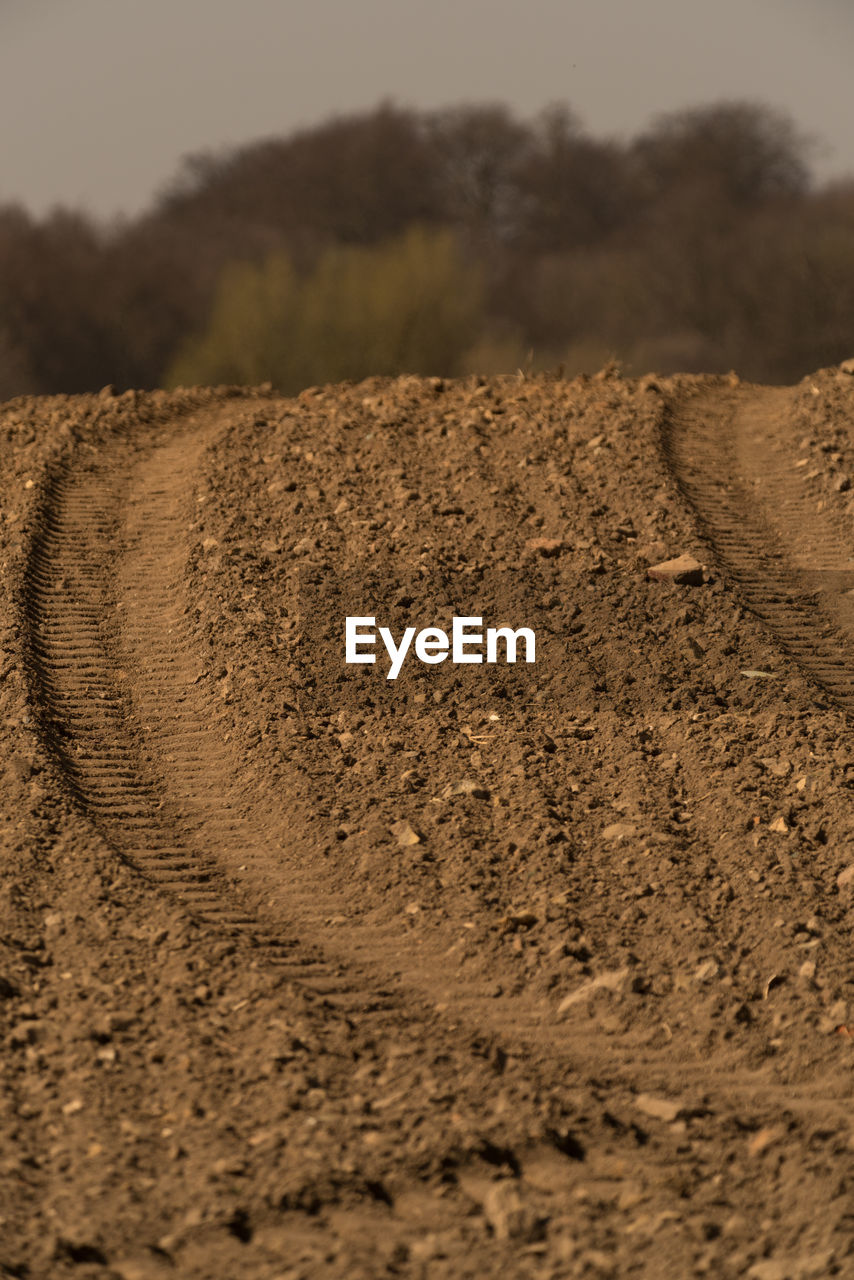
(100, 99)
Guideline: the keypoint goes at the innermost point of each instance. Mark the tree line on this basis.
(451, 241)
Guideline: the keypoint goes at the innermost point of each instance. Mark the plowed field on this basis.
(527, 970)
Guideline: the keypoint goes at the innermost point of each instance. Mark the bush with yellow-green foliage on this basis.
(411, 306)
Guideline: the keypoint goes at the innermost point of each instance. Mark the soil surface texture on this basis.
(524, 970)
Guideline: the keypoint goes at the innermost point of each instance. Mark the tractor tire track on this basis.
(790, 558)
(115, 684)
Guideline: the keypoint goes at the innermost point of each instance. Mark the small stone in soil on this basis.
(683, 570)
(658, 1108)
(619, 831)
(547, 547)
(468, 787)
(405, 834)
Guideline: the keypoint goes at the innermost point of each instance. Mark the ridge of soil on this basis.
(539, 971)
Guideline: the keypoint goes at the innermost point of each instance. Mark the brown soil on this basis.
(532, 971)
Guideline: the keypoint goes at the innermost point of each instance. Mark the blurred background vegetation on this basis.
(448, 242)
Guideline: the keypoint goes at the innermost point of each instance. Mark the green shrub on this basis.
(411, 306)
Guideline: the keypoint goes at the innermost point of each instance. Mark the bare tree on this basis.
(743, 152)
